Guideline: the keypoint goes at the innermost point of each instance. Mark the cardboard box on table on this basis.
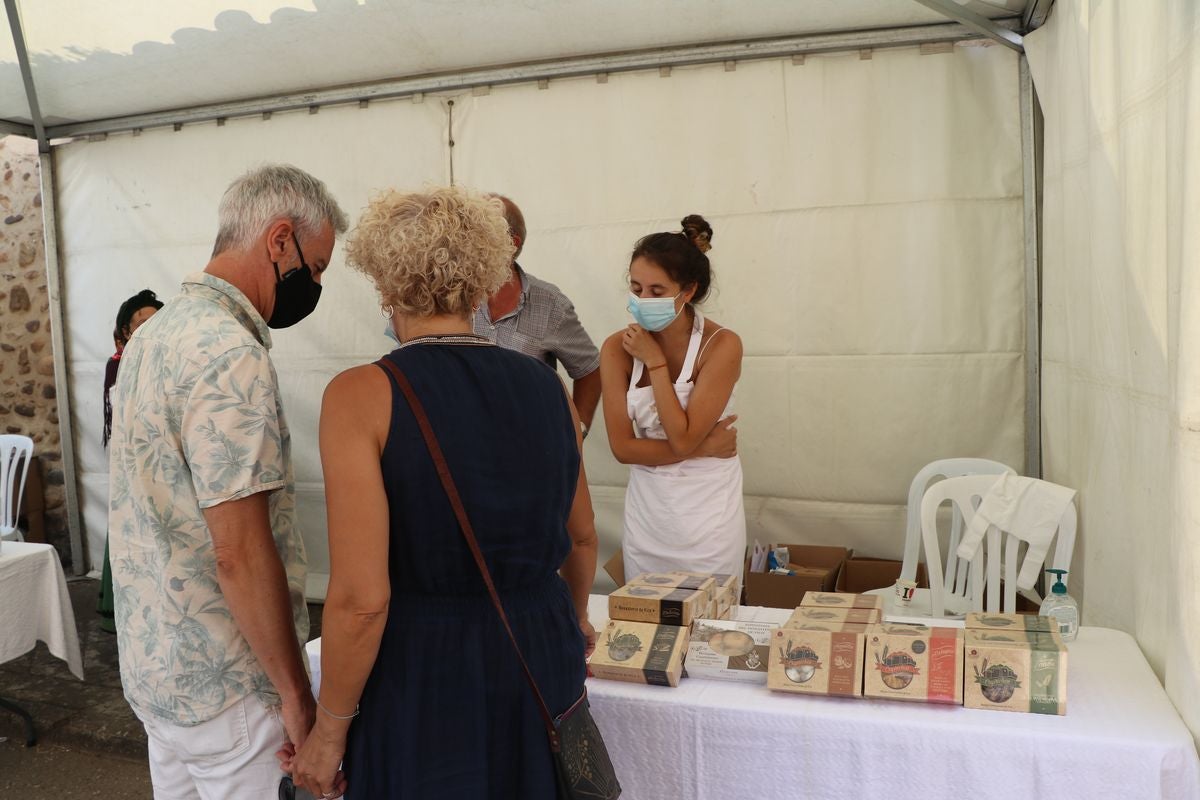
(915, 663)
(639, 652)
(729, 650)
(817, 661)
(864, 574)
(855, 616)
(635, 602)
(989, 621)
(1015, 670)
(819, 567)
(841, 600)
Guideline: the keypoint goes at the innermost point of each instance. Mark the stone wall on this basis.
(27, 391)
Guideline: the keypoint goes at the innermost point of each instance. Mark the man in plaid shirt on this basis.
(535, 318)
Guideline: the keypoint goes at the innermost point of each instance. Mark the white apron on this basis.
(686, 516)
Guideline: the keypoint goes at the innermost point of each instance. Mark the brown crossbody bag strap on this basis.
(443, 471)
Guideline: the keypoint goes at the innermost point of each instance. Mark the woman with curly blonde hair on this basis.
(422, 695)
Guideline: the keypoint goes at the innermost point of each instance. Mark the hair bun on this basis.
(698, 231)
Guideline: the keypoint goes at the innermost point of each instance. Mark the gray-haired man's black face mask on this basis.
(296, 293)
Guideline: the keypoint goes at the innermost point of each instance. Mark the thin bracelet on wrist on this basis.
(338, 716)
(657, 366)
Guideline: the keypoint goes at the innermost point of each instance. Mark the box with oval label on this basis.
(1016, 671)
(914, 662)
(855, 616)
(678, 580)
(667, 605)
(1008, 622)
(820, 662)
(639, 652)
(842, 600)
(728, 650)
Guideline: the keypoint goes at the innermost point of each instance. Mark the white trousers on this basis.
(230, 756)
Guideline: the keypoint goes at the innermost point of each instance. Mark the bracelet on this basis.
(657, 366)
(338, 716)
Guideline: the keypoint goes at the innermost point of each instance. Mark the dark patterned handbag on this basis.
(581, 763)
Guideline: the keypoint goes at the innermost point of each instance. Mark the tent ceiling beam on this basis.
(8, 127)
(976, 22)
(541, 71)
(35, 112)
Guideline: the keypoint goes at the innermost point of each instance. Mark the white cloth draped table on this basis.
(35, 606)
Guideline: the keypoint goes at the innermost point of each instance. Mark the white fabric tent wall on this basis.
(1120, 86)
(868, 248)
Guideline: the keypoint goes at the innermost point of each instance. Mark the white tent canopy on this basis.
(871, 168)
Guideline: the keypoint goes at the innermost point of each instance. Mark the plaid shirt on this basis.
(544, 326)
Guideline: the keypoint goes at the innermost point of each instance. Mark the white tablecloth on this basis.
(34, 604)
(714, 740)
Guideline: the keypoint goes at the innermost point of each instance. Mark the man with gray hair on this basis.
(208, 566)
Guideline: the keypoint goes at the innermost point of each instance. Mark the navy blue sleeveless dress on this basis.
(446, 713)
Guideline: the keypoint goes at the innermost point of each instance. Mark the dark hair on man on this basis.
(143, 299)
(681, 255)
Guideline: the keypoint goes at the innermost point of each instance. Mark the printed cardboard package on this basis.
(856, 616)
(1016, 671)
(913, 662)
(728, 650)
(667, 605)
(639, 652)
(842, 600)
(818, 662)
(1008, 622)
(678, 580)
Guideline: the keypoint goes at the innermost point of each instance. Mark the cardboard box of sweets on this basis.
(913, 662)
(1016, 671)
(639, 652)
(635, 602)
(821, 662)
(1008, 622)
(842, 600)
(818, 572)
(729, 650)
(857, 616)
(678, 580)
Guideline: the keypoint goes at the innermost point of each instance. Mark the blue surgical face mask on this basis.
(390, 332)
(653, 313)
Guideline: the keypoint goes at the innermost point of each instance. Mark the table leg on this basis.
(30, 733)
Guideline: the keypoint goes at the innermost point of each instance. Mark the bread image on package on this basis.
(915, 663)
(729, 650)
(821, 662)
(639, 652)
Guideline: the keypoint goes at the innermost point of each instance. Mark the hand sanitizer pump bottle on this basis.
(1062, 607)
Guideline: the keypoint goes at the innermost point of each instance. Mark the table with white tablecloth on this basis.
(35, 606)
(717, 740)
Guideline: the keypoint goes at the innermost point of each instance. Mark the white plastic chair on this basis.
(964, 592)
(955, 572)
(998, 562)
(16, 452)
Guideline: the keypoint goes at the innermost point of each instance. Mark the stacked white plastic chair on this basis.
(16, 453)
(955, 572)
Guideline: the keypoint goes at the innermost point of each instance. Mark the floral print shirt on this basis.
(197, 421)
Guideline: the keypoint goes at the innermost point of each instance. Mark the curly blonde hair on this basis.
(439, 251)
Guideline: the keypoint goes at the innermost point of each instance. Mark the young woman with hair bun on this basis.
(669, 381)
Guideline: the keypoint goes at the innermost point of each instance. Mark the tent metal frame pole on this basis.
(1036, 13)
(1031, 180)
(58, 340)
(540, 71)
(976, 22)
(35, 111)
